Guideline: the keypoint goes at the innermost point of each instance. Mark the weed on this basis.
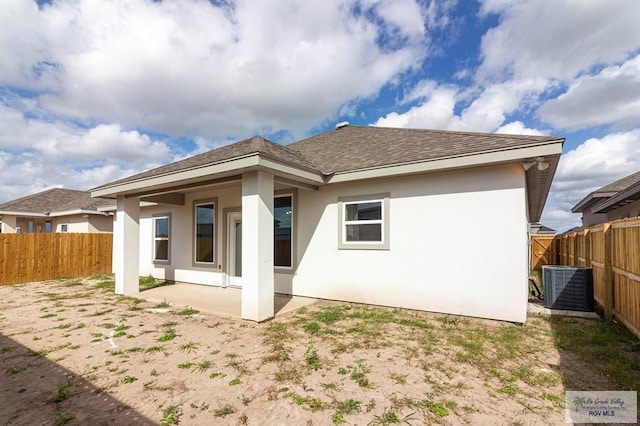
(348, 407)
(245, 399)
(171, 415)
(244, 420)
(15, 369)
(331, 388)
(63, 326)
(185, 365)
(400, 379)
(235, 381)
(154, 373)
(62, 417)
(509, 390)
(155, 350)
(224, 411)
(312, 327)
(189, 347)
(390, 416)
(188, 312)
(358, 374)
(163, 304)
(62, 393)
(311, 356)
(105, 285)
(204, 365)
(169, 334)
(129, 379)
(49, 315)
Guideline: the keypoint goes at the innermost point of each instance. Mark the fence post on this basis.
(587, 248)
(608, 271)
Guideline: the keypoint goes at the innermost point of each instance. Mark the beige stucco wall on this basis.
(458, 244)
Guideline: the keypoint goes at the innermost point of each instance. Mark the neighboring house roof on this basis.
(611, 196)
(351, 153)
(538, 228)
(52, 201)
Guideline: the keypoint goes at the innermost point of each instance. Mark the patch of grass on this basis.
(359, 374)
(312, 327)
(169, 334)
(155, 350)
(224, 411)
(171, 415)
(148, 282)
(50, 315)
(185, 365)
(15, 369)
(204, 365)
(129, 379)
(62, 417)
(187, 312)
(62, 393)
(400, 379)
(311, 356)
(348, 406)
(391, 416)
(106, 285)
(607, 346)
(189, 347)
(235, 381)
(63, 326)
(509, 390)
(163, 304)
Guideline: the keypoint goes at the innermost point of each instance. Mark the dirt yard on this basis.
(73, 352)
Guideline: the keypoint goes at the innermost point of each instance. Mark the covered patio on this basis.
(226, 302)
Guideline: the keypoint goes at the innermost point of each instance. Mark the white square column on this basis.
(257, 246)
(8, 224)
(126, 244)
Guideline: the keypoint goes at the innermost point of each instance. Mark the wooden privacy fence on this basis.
(612, 250)
(36, 257)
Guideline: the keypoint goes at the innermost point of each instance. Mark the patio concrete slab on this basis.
(216, 300)
(536, 309)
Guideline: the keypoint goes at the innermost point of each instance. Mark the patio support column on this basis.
(126, 242)
(8, 224)
(257, 246)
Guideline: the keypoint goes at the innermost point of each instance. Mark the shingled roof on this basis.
(55, 200)
(606, 192)
(254, 145)
(351, 148)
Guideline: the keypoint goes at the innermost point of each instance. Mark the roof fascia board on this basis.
(593, 198)
(481, 159)
(75, 211)
(22, 214)
(232, 166)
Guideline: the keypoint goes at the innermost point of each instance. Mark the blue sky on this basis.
(94, 91)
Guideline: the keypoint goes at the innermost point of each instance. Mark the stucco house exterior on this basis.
(55, 210)
(419, 219)
(617, 200)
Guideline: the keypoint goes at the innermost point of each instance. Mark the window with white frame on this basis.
(364, 222)
(161, 238)
(204, 232)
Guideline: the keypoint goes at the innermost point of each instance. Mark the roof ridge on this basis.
(38, 194)
(633, 178)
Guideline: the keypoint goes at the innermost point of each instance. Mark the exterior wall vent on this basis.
(567, 287)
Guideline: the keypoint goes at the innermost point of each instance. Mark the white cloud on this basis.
(190, 67)
(610, 96)
(557, 39)
(519, 128)
(593, 164)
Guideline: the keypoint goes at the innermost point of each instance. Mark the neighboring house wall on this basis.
(589, 219)
(75, 223)
(8, 224)
(630, 210)
(458, 244)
